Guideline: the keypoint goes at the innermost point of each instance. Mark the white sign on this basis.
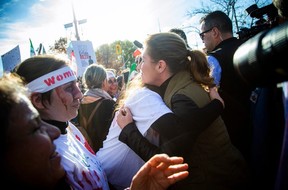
(84, 55)
(11, 59)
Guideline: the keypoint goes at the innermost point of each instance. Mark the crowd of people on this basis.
(43, 150)
(182, 119)
(194, 129)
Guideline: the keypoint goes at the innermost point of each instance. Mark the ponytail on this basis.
(199, 68)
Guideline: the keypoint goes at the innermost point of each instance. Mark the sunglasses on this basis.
(202, 33)
(111, 81)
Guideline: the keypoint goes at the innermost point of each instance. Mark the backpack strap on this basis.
(93, 112)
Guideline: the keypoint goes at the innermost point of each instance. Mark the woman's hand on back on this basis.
(124, 117)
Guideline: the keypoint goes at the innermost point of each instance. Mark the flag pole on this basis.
(75, 22)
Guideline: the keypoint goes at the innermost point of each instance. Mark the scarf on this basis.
(97, 92)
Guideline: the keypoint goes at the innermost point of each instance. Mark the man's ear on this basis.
(36, 99)
(215, 32)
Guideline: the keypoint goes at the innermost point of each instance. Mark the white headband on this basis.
(52, 80)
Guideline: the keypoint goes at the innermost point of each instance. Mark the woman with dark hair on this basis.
(56, 96)
(29, 159)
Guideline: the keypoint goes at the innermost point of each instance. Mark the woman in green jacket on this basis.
(200, 135)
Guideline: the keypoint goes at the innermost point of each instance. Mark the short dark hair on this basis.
(217, 19)
(181, 33)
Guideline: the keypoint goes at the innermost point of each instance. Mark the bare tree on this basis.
(60, 46)
(235, 9)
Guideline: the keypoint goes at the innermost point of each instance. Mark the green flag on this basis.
(43, 50)
(32, 51)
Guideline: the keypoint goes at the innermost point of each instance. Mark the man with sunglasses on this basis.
(217, 36)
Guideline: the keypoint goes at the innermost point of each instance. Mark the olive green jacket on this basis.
(214, 163)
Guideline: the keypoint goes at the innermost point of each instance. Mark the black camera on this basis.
(261, 23)
(261, 60)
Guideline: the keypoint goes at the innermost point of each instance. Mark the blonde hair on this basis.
(93, 76)
(134, 84)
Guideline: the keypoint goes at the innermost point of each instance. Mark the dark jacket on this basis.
(201, 139)
(236, 95)
(213, 161)
(99, 126)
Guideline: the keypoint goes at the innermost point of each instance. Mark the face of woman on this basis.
(148, 71)
(113, 86)
(65, 102)
(31, 156)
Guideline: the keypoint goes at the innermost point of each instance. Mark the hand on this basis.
(159, 173)
(213, 93)
(124, 117)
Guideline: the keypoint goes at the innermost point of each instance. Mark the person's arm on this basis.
(131, 136)
(168, 126)
(191, 115)
(159, 173)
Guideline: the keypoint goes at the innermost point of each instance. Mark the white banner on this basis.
(84, 54)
